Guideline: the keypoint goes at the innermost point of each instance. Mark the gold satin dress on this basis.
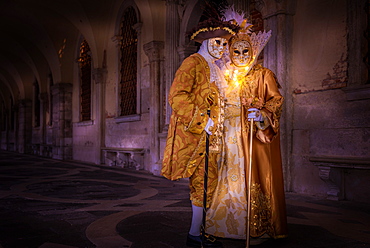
(227, 214)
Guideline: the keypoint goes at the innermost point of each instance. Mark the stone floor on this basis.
(58, 204)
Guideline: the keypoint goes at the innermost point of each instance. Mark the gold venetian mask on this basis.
(241, 53)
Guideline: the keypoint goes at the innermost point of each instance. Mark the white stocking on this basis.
(196, 221)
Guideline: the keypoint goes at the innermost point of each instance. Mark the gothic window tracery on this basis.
(85, 81)
(128, 70)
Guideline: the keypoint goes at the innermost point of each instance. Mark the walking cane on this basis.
(205, 185)
(249, 183)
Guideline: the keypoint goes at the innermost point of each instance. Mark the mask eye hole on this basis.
(218, 42)
(245, 51)
(224, 44)
(236, 52)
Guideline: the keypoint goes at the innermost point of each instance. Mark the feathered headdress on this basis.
(257, 40)
(214, 26)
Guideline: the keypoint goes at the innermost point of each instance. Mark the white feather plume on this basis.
(231, 14)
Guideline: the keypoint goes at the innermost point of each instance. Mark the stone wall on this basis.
(329, 129)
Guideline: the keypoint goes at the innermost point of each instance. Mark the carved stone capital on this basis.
(117, 40)
(154, 50)
(138, 26)
(61, 88)
(258, 5)
(99, 75)
(22, 103)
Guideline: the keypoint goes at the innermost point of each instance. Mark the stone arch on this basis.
(123, 7)
(191, 16)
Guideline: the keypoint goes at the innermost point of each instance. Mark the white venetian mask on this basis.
(216, 47)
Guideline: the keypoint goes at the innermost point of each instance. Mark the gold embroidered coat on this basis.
(268, 214)
(191, 94)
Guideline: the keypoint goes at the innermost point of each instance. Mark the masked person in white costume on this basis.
(194, 91)
(252, 92)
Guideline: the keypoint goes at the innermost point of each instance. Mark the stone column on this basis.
(278, 16)
(186, 51)
(154, 51)
(4, 130)
(24, 126)
(99, 77)
(62, 121)
(15, 110)
(172, 57)
(44, 106)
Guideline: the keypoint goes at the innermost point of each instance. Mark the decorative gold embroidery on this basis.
(211, 29)
(275, 106)
(249, 81)
(230, 223)
(186, 128)
(260, 212)
(234, 177)
(201, 141)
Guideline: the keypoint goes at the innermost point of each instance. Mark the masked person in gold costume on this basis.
(195, 90)
(252, 92)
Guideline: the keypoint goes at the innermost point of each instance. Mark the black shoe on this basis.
(196, 241)
(259, 240)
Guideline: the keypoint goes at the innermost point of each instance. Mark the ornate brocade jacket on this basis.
(190, 96)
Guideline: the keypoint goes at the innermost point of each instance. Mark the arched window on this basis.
(85, 81)
(36, 103)
(128, 70)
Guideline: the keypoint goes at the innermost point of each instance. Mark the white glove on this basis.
(210, 123)
(255, 114)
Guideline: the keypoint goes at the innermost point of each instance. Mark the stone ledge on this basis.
(342, 162)
(142, 150)
(123, 157)
(128, 118)
(84, 123)
(325, 164)
(357, 92)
